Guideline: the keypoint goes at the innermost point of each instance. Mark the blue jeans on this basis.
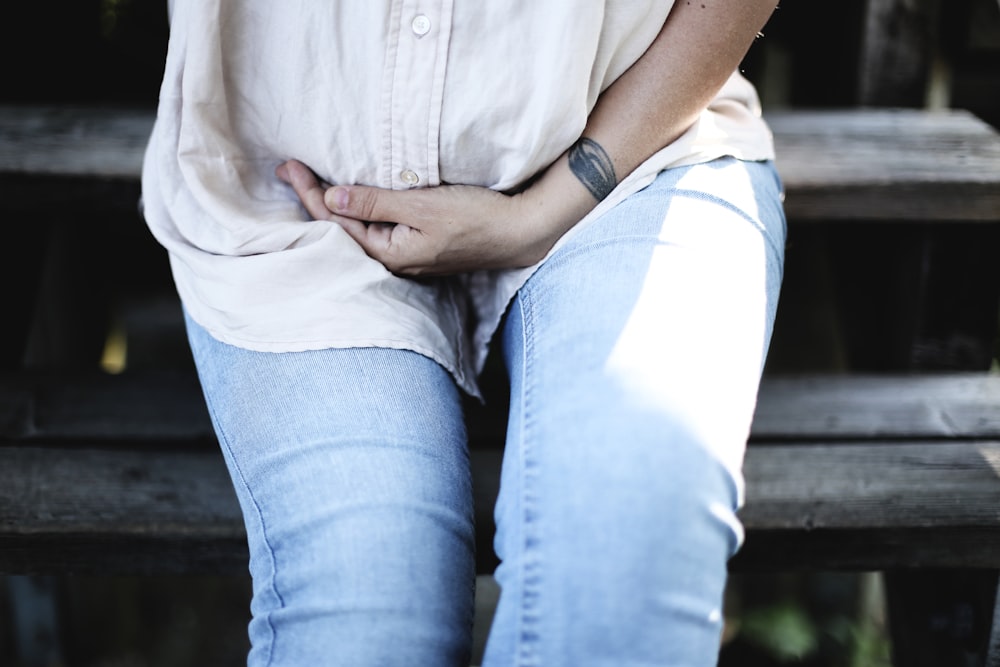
(634, 355)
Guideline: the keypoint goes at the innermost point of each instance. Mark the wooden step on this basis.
(855, 164)
(856, 472)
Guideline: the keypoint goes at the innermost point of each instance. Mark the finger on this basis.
(308, 188)
(379, 205)
(400, 248)
(356, 229)
(375, 238)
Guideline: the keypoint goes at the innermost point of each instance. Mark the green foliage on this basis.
(783, 630)
(789, 636)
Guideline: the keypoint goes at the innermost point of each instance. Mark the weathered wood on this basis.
(872, 506)
(836, 165)
(841, 506)
(69, 491)
(887, 165)
(946, 406)
(65, 141)
(167, 406)
(107, 511)
(897, 45)
(118, 464)
(86, 158)
(872, 486)
(89, 407)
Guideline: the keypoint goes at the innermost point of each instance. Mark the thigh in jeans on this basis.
(635, 354)
(352, 471)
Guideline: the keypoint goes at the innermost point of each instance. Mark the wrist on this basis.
(550, 207)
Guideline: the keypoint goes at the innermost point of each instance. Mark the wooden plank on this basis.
(872, 507)
(151, 407)
(956, 405)
(851, 486)
(123, 493)
(836, 165)
(73, 141)
(167, 406)
(877, 472)
(873, 165)
(90, 157)
(840, 506)
(73, 510)
(110, 555)
(897, 46)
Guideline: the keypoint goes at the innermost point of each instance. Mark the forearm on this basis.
(456, 228)
(702, 42)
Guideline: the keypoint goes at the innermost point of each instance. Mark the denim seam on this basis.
(224, 442)
(715, 199)
(527, 649)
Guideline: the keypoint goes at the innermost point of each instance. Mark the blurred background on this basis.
(122, 312)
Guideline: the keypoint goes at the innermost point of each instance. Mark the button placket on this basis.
(423, 32)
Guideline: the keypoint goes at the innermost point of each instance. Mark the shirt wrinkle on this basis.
(364, 93)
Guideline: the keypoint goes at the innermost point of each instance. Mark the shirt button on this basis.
(421, 25)
(409, 177)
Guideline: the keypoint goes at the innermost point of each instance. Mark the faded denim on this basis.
(634, 352)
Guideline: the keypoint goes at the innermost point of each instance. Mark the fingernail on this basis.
(340, 199)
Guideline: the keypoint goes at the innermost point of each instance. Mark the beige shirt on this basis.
(393, 93)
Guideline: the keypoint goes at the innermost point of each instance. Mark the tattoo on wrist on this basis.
(591, 164)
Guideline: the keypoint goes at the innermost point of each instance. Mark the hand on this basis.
(432, 231)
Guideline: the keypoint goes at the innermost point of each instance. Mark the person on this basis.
(360, 199)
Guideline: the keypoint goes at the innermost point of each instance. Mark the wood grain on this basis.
(846, 472)
(890, 406)
(167, 406)
(887, 165)
(858, 164)
(93, 143)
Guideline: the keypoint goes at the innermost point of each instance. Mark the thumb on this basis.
(365, 203)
